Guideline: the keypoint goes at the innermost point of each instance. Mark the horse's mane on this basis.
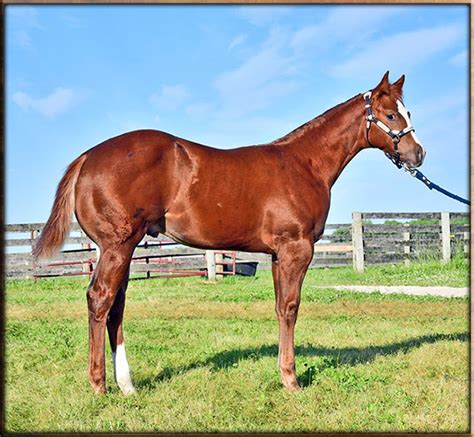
(331, 112)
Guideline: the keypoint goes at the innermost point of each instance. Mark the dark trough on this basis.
(243, 268)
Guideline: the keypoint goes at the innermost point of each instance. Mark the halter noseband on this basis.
(396, 136)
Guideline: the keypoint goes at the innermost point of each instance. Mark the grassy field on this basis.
(204, 356)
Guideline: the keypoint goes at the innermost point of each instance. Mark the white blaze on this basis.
(122, 371)
(404, 113)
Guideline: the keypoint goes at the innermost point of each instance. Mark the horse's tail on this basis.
(57, 227)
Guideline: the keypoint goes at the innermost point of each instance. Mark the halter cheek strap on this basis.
(395, 157)
(395, 135)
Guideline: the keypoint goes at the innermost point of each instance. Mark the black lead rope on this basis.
(395, 157)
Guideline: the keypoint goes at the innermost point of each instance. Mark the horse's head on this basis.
(388, 124)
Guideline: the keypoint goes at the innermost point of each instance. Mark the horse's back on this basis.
(153, 182)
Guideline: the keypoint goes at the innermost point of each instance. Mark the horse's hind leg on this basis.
(111, 270)
(114, 327)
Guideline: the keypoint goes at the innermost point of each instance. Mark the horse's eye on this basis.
(391, 117)
(409, 114)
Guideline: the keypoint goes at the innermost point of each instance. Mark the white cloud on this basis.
(439, 109)
(270, 72)
(246, 130)
(237, 41)
(72, 21)
(260, 15)
(200, 110)
(27, 15)
(348, 24)
(170, 97)
(267, 74)
(275, 69)
(459, 60)
(56, 103)
(24, 20)
(402, 51)
(23, 38)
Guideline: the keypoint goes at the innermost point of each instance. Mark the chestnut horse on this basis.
(271, 198)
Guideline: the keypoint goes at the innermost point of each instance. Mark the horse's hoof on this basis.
(292, 387)
(99, 389)
(127, 389)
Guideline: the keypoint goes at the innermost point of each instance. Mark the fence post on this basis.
(211, 265)
(406, 248)
(357, 242)
(466, 241)
(445, 237)
(219, 266)
(34, 236)
(86, 266)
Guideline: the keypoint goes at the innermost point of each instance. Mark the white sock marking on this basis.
(122, 370)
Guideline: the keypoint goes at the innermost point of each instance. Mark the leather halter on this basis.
(395, 135)
(395, 157)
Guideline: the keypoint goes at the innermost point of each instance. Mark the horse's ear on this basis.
(384, 86)
(399, 83)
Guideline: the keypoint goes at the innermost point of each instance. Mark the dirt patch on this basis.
(405, 289)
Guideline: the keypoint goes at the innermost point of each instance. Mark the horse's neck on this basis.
(330, 141)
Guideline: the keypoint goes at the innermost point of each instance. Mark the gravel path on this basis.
(405, 289)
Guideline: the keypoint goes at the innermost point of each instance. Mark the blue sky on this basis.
(229, 76)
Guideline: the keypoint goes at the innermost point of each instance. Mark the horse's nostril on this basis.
(419, 154)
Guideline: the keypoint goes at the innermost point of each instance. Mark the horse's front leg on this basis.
(289, 268)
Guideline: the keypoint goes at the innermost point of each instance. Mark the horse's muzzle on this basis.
(415, 158)
(420, 154)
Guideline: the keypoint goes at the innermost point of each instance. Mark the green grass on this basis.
(428, 273)
(204, 356)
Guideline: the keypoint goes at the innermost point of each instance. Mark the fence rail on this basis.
(405, 236)
(372, 237)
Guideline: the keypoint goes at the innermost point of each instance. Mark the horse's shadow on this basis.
(334, 357)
